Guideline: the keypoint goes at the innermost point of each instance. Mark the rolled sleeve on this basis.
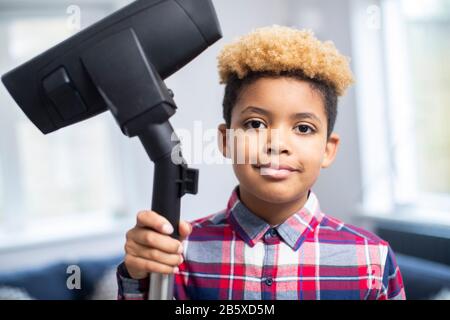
(129, 288)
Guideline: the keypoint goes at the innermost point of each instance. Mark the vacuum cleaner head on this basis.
(140, 45)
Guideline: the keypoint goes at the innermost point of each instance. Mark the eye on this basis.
(303, 128)
(254, 124)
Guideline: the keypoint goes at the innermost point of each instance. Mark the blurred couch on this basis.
(98, 281)
(423, 279)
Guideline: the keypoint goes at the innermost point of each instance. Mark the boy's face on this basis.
(278, 122)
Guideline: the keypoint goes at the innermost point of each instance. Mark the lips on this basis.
(277, 166)
(281, 171)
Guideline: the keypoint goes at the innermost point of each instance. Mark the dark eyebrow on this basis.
(300, 115)
(257, 110)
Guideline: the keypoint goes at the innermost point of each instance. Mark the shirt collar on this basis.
(293, 230)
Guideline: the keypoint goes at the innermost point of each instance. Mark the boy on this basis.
(272, 241)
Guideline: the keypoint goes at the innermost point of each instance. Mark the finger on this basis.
(148, 265)
(153, 220)
(141, 251)
(185, 229)
(153, 239)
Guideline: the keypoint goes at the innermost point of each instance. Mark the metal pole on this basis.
(161, 286)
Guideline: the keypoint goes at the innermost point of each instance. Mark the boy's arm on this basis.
(392, 288)
(129, 288)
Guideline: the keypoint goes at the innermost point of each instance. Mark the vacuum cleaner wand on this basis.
(119, 64)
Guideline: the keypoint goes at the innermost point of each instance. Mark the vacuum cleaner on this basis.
(119, 64)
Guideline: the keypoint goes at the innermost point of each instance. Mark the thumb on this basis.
(184, 228)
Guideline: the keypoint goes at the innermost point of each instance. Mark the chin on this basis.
(268, 189)
(278, 192)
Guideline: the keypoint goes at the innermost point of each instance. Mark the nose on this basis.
(277, 142)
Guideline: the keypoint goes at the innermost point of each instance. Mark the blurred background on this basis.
(69, 197)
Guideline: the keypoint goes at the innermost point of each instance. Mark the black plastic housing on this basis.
(55, 89)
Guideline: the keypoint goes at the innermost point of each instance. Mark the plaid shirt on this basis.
(234, 254)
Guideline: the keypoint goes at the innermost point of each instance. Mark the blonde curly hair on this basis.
(279, 48)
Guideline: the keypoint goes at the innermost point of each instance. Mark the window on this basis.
(401, 52)
(69, 175)
(427, 30)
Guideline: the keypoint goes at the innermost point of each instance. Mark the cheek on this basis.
(309, 152)
(247, 151)
(247, 148)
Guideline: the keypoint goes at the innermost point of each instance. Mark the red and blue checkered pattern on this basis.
(234, 254)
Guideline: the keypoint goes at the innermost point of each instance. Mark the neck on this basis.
(272, 213)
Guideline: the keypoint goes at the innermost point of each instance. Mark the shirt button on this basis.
(269, 281)
(273, 232)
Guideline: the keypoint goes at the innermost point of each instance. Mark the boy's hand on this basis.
(149, 248)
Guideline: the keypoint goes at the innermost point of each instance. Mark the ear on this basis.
(222, 140)
(330, 150)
